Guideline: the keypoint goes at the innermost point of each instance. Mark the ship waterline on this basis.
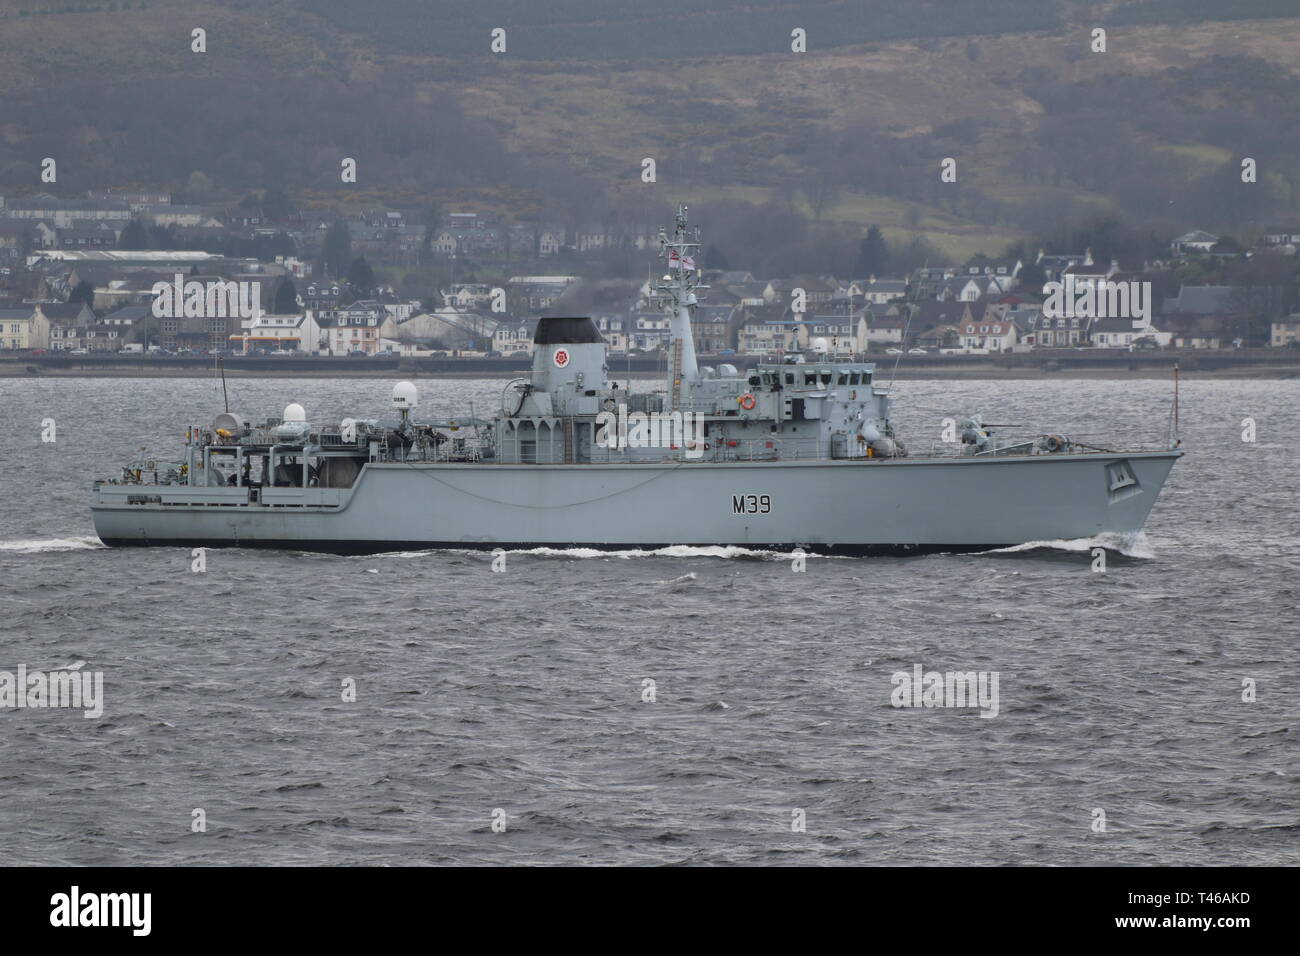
(885, 506)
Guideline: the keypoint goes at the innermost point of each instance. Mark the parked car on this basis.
(917, 351)
(79, 352)
(357, 353)
(893, 351)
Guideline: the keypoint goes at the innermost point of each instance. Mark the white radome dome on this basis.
(293, 412)
(405, 395)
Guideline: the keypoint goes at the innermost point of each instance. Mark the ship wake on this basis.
(43, 545)
(1129, 544)
(733, 552)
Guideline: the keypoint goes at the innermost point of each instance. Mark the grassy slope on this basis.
(604, 118)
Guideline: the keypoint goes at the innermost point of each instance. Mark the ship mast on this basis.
(677, 289)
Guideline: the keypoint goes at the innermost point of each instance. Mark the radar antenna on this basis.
(677, 290)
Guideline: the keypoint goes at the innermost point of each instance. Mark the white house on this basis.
(1198, 240)
(983, 336)
(1120, 334)
(612, 329)
(878, 291)
(511, 337)
(295, 333)
(1285, 332)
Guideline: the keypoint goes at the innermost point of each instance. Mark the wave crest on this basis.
(41, 545)
(1133, 544)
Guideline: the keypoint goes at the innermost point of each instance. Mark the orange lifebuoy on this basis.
(747, 401)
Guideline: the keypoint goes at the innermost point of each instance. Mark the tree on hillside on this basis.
(285, 301)
(336, 255)
(84, 292)
(714, 259)
(198, 188)
(361, 277)
(873, 255)
(162, 237)
(917, 253)
(134, 237)
(1032, 276)
(432, 223)
(276, 204)
(821, 191)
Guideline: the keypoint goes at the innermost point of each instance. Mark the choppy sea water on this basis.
(522, 692)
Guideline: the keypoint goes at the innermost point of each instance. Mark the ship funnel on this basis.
(568, 360)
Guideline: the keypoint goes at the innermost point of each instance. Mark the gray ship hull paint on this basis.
(894, 506)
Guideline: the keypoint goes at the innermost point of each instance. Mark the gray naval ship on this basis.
(791, 454)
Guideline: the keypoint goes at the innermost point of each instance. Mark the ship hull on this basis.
(896, 506)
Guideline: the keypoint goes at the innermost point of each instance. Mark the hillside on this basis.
(852, 132)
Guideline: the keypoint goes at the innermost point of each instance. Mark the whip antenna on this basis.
(225, 398)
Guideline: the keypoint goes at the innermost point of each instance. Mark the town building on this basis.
(984, 337)
(514, 337)
(291, 333)
(1198, 240)
(1285, 333)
